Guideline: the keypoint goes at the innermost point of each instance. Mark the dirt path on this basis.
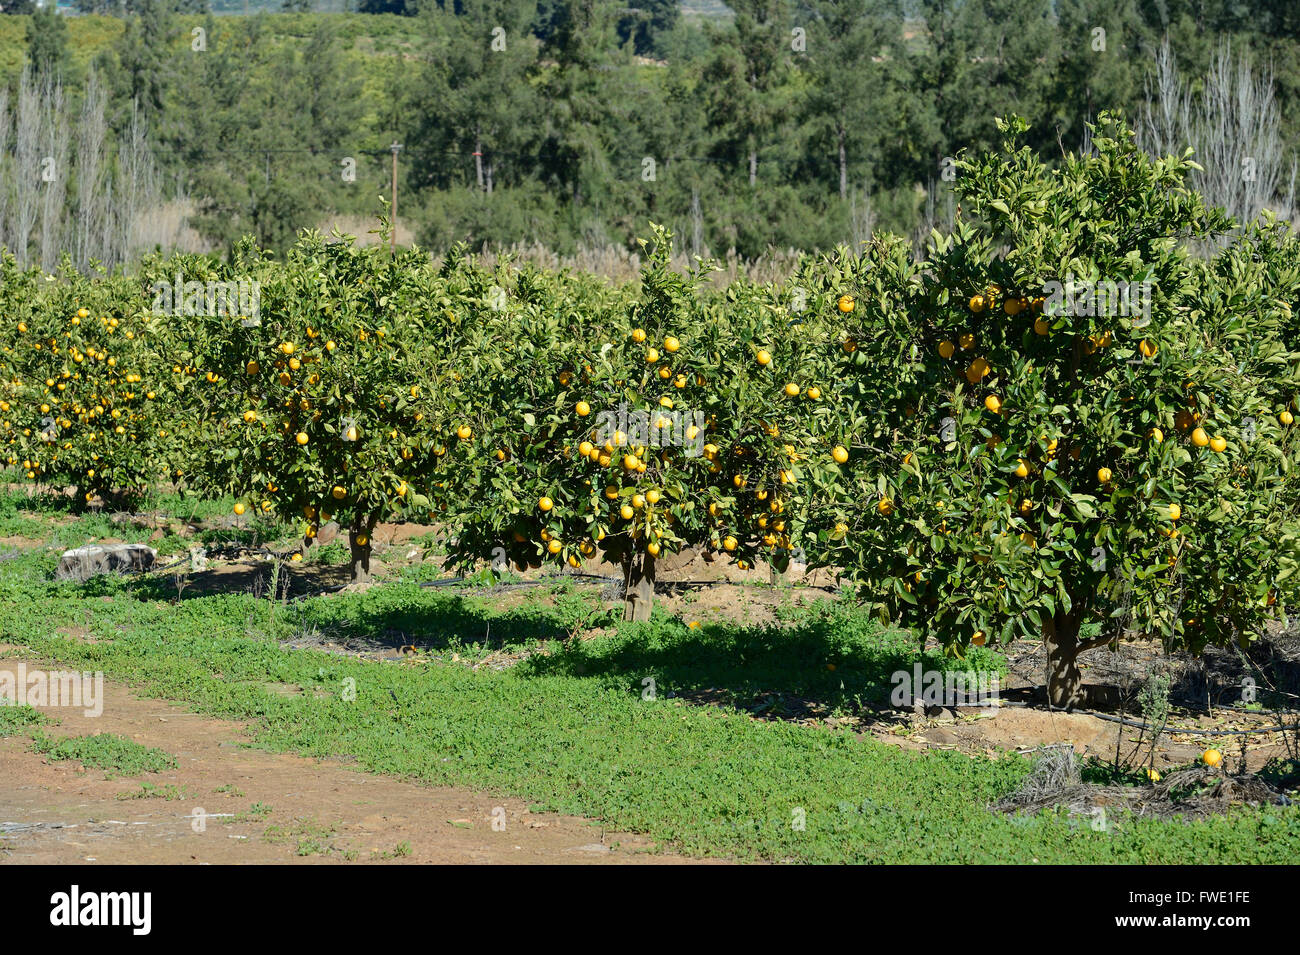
(260, 807)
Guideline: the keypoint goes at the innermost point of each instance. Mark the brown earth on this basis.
(316, 811)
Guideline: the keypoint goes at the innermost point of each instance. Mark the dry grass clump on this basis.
(1056, 782)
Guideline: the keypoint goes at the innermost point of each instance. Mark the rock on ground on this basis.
(83, 563)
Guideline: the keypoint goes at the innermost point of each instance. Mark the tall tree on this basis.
(647, 22)
(47, 42)
(971, 63)
(853, 48)
(583, 153)
(272, 129)
(143, 52)
(474, 105)
(1104, 48)
(748, 80)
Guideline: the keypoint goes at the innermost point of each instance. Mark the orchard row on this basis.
(981, 455)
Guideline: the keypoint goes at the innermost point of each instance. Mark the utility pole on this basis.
(392, 236)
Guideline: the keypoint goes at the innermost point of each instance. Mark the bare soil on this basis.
(260, 807)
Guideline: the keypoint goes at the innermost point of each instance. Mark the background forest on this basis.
(760, 125)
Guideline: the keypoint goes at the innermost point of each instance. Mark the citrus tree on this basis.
(1029, 455)
(633, 424)
(324, 406)
(84, 400)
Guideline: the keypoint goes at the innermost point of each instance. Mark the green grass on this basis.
(399, 851)
(332, 554)
(309, 837)
(18, 719)
(107, 751)
(569, 728)
(169, 792)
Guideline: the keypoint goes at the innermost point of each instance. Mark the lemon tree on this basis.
(84, 400)
(326, 407)
(1028, 458)
(634, 425)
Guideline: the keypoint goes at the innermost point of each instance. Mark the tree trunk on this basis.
(1064, 680)
(362, 526)
(639, 590)
(697, 223)
(844, 167)
(478, 159)
(753, 167)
